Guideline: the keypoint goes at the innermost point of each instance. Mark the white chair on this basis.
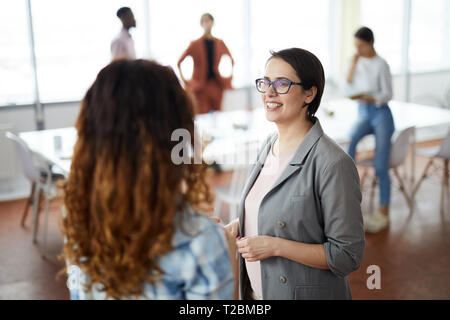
(399, 152)
(244, 154)
(231, 195)
(39, 173)
(441, 152)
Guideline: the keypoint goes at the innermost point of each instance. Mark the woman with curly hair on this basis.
(131, 227)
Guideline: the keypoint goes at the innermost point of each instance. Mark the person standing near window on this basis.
(370, 74)
(300, 222)
(207, 85)
(122, 47)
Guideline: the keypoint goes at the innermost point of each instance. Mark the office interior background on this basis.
(52, 50)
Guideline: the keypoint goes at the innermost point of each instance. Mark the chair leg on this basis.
(363, 178)
(44, 247)
(36, 205)
(233, 212)
(422, 177)
(402, 188)
(372, 192)
(444, 187)
(27, 205)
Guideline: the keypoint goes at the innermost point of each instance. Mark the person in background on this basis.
(207, 85)
(370, 74)
(131, 227)
(122, 47)
(300, 222)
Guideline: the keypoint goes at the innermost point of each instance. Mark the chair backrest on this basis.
(26, 157)
(238, 181)
(444, 151)
(400, 147)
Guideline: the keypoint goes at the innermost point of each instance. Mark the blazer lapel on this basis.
(301, 154)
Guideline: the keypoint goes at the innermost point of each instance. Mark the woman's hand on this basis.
(368, 99)
(355, 58)
(232, 228)
(256, 248)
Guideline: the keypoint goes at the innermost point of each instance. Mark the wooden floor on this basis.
(413, 255)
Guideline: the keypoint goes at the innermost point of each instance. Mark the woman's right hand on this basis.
(356, 58)
(232, 229)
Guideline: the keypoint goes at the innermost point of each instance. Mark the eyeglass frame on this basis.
(272, 82)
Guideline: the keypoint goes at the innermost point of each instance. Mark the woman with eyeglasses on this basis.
(300, 228)
(370, 74)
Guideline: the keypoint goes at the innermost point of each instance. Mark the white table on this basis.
(226, 129)
(54, 145)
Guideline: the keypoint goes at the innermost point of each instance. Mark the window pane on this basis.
(16, 73)
(387, 26)
(73, 43)
(430, 35)
(175, 23)
(282, 24)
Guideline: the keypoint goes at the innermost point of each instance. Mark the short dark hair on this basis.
(209, 15)
(310, 71)
(122, 11)
(365, 34)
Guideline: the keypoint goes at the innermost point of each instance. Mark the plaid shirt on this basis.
(198, 267)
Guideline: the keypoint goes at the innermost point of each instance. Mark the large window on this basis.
(282, 24)
(73, 43)
(385, 18)
(430, 35)
(72, 37)
(16, 72)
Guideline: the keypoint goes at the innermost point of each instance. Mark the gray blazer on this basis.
(317, 200)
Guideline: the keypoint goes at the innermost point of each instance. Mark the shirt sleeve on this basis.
(343, 222)
(118, 50)
(186, 53)
(385, 94)
(213, 278)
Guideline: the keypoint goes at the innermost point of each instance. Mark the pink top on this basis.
(122, 47)
(271, 171)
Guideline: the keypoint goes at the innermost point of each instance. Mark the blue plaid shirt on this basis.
(199, 267)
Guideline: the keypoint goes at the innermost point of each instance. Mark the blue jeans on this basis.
(378, 121)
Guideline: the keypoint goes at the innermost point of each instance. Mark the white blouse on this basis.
(372, 77)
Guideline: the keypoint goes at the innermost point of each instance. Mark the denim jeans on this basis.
(378, 121)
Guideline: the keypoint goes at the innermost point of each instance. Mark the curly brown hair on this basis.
(123, 190)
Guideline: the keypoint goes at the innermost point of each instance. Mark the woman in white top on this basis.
(369, 79)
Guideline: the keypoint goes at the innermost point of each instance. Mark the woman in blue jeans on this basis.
(370, 79)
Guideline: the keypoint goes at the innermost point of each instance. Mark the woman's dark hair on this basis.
(365, 34)
(209, 15)
(122, 11)
(124, 190)
(310, 71)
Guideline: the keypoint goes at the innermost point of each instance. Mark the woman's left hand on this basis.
(368, 99)
(256, 248)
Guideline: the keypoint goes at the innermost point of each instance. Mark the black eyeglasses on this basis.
(280, 86)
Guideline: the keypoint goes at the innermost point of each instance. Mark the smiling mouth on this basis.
(273, 105)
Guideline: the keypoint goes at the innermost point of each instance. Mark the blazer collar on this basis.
(308, 142)
(300, 155)
(296, 163)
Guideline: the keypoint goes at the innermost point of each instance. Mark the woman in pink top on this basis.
(300, 225)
